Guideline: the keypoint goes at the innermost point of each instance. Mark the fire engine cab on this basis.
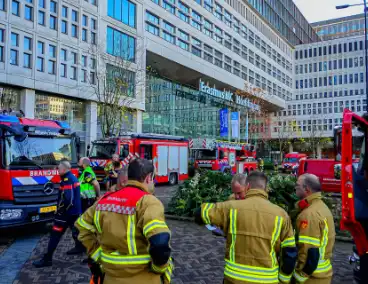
(168, 153)
(223, 156)
(31, 150)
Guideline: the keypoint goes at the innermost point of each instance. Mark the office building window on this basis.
(152, 29)
(64, 27)
(41, 18)
(85, 21)
(120, 44)
(53, 7)
(114, 72)
(74, 31)
(13, 57)
(53, 21)
(63, 70)
(28, 13)
(152, 18)
(74, 16)
(73, 73)
(64, 12)
(27, 44)
(40, 48)
(27, 60)
(168, 37)
(14, 39)
(40, 64)
(51, 67)
(84, 35)
(123, 11)
(15, 8)
(63, 54)
(2, 5)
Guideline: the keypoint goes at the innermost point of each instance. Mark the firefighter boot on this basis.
(43, 262)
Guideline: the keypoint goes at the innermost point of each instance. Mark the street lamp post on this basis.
(365, 44)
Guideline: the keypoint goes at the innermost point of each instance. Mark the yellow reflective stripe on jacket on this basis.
(85, 225)
(169, 270)
(284, 278)
(96, 219)
(323, 266)
(125, 259)
(205, 213)
(96, 255)
(154, 224)
(251, 277)
(309, 240)
(289, 242)
(132, 247)
(242, 268)
(322, 249)
(233, 216)
(299, 278)
(158, 269)
(275, 236)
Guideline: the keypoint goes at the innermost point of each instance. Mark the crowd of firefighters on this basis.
(127, 239)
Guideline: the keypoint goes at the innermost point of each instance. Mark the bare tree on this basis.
(117, 86)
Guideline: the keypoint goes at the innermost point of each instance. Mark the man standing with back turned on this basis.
(315, 233)
(260, 244)
(126, 231)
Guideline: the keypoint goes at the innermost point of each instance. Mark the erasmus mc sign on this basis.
(227, 96)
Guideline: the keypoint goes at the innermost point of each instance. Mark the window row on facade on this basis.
(330, 94)
(335, 80)
(47, 57)
(337, 48)
(191, 44)
(336, 64)
(69, 20)
(199, 22)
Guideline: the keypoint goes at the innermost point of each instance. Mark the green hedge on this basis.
(216, 187)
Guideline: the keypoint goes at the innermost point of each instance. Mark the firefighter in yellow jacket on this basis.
(315, 234)
(260, 244)
(125, 232)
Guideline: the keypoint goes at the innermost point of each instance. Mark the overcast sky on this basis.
(319, 10)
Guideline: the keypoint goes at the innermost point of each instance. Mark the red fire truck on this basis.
(168, 153)
(354, 184)
(223, 156)
(291, 161)
(30, 152)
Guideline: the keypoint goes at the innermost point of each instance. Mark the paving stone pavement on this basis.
(197, 255)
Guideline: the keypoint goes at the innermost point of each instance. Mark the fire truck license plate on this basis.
(48, 209)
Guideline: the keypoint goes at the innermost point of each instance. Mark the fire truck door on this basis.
(146, 151)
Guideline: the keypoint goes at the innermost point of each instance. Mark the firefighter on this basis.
(260, 245)
(125, 231)
(68, 211)
(315, 230)
(89, 186)
(238, 187)
(109, 170)
(260, 164)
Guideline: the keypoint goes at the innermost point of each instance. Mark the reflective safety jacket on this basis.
(260, 243)
(315, 241)
(126, 232)
(86, 186)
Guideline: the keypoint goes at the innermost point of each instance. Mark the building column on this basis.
(91, 122)
(28, 102)
(319, 151)
(291, 148)
(139, 121)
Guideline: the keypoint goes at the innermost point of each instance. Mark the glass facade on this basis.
(341, 27)
(174, 109)
(9, 98)
(285, 17)
(123, 11)
(120, 44)
(64, 109)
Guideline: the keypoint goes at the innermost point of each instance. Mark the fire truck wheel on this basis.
(173, 179)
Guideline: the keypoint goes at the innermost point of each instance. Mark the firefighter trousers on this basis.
(61, 224)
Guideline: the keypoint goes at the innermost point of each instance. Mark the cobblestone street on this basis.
(197, 253)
